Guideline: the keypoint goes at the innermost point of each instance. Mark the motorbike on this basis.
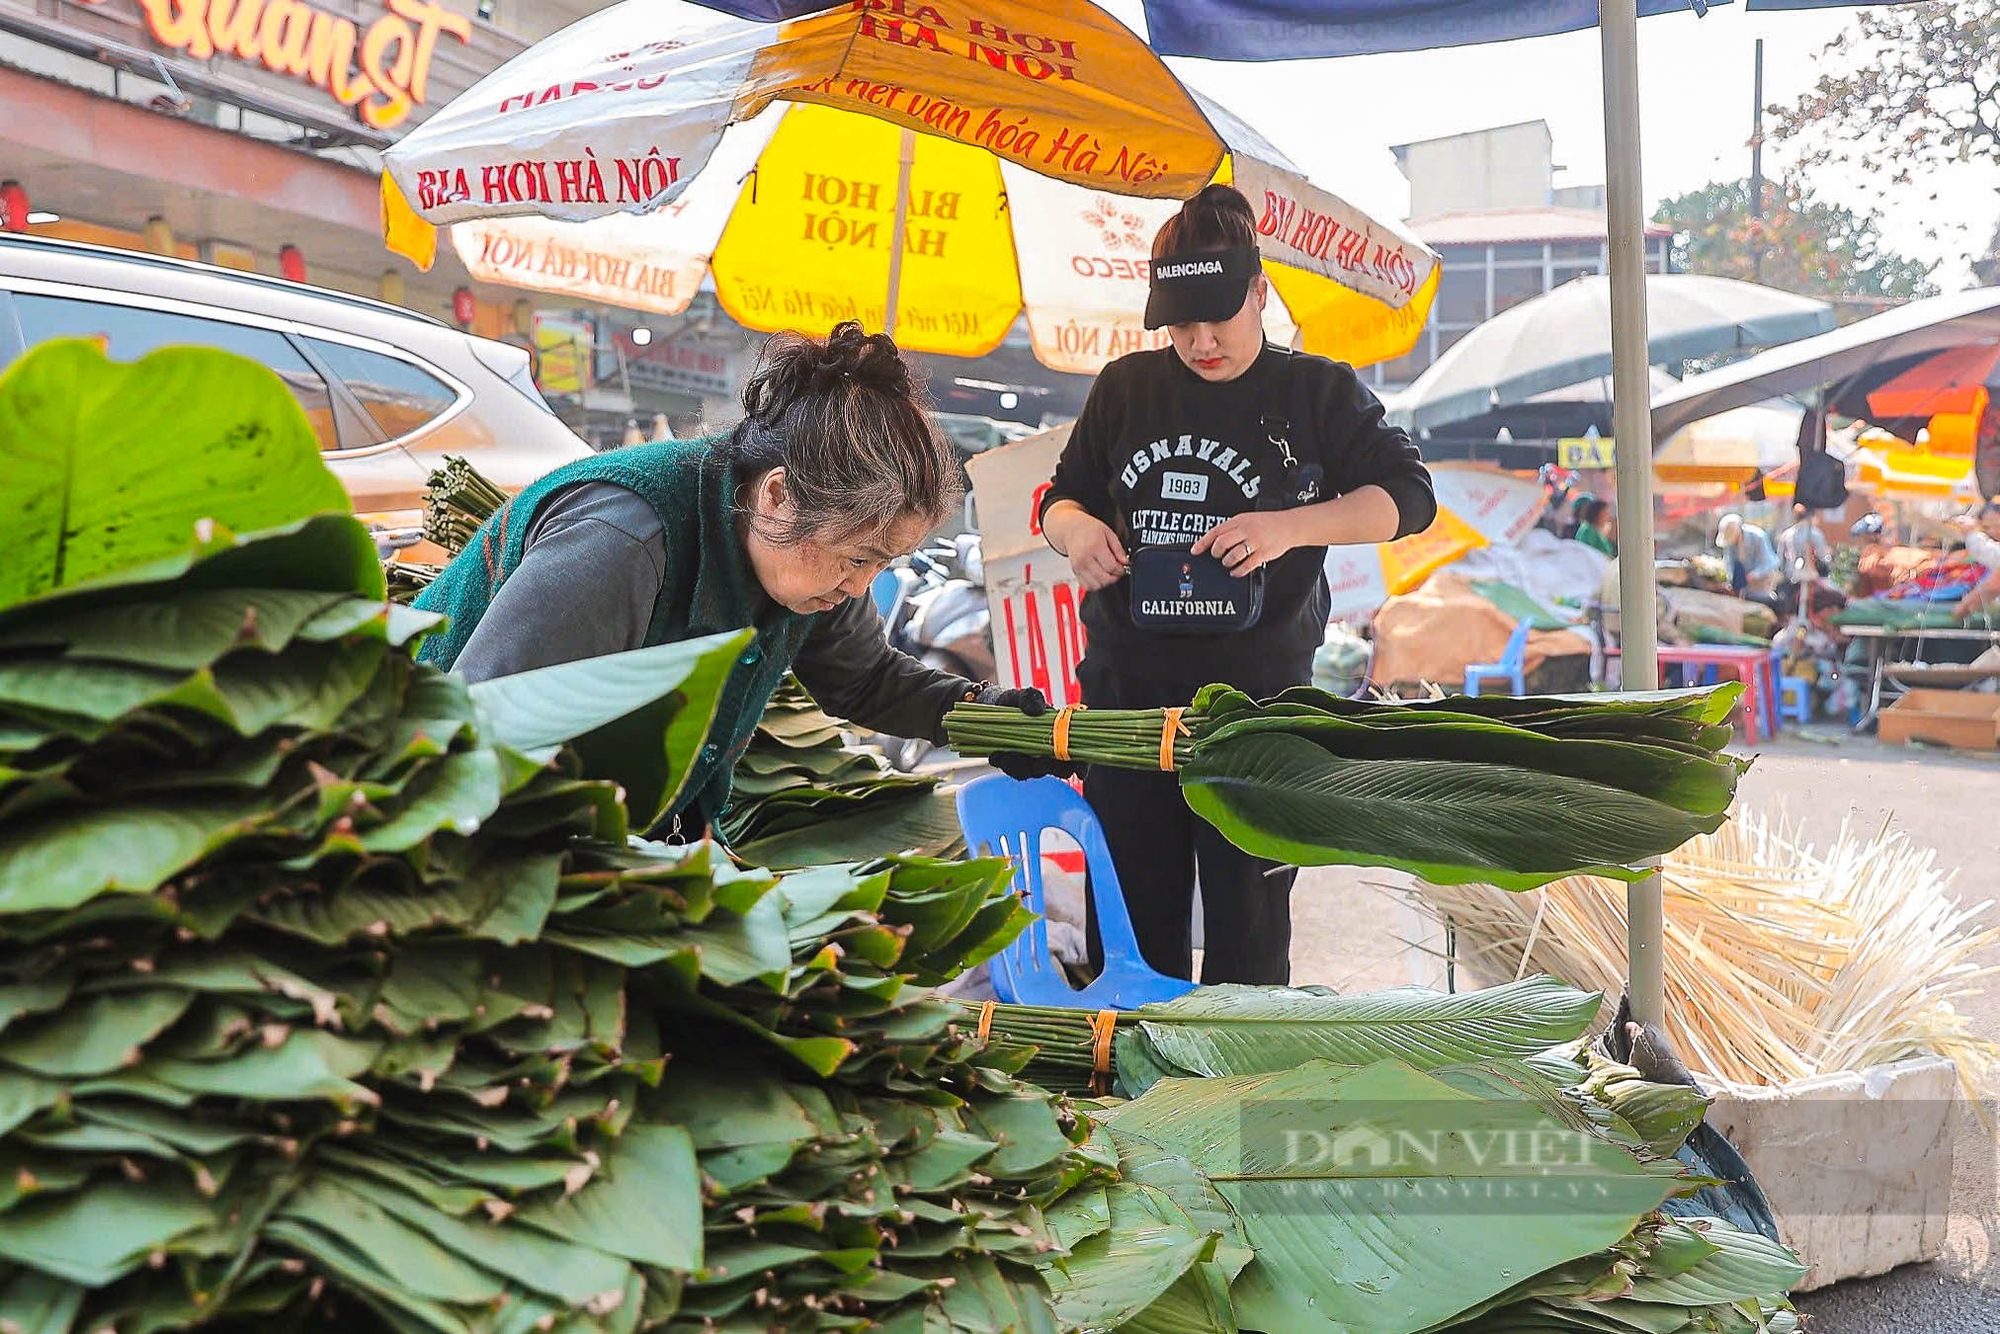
(936, 612)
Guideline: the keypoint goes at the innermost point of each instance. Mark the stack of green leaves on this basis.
(1913, 614)
(1242, 1030)
(1389, 1164)
(334, 995)
(802, 796)
(1495, 790)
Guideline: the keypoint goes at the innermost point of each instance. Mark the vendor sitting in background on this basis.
(1753, 562)
(1982, 543)
(1597, 526)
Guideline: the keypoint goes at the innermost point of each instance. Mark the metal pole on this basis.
(1631, 417)
(899, 230)
(1757, 170)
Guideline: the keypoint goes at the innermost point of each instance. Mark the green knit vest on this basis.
(708, 587)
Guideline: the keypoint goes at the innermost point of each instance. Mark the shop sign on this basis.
(679, 366)
(382, 70)
(1587, 453)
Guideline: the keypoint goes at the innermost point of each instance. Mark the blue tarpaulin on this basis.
(1311, 29)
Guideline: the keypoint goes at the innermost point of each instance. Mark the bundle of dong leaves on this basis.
(332, 995)
(1505, 791)
(802, 796)
(1292, 1160)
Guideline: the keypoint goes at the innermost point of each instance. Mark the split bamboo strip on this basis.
(1782, 962)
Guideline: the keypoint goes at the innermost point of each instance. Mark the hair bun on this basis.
(796, 368)
(870, 360)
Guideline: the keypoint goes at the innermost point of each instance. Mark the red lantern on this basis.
(292, 264)
(463, 306)
(13, 206)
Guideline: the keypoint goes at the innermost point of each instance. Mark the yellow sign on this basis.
(562, 354)
(1587, 454)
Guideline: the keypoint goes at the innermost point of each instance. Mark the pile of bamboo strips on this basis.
(1781, 962)
(457, 499)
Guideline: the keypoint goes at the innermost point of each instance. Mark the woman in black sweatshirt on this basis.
(1244, 462)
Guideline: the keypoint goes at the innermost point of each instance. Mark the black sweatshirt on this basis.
(1163, 455)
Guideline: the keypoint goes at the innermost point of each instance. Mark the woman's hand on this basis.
(1023, 767)
(1249, 541)
(1094, 551)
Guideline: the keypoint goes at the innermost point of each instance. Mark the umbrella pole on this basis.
(899, 230)
(1632, 430)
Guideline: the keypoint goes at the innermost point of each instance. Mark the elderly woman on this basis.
(781, 524)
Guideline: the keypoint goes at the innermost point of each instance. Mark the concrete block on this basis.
(1857, 1165)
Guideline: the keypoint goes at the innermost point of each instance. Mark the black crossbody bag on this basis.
(1176, 592)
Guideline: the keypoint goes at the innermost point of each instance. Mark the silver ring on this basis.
(1248, 550)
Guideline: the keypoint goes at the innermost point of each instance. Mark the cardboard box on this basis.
(1958, 718)
(1032, 593)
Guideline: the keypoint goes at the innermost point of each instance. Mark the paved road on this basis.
(1351, 935)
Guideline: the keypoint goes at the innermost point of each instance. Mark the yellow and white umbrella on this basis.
(1477, 507)
(1896, 471)
(1732, 447)
(930, 169)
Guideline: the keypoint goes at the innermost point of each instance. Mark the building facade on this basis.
(1487, 202)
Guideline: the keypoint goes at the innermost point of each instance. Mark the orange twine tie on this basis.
(986, 1019)
(1173, 727)
(1104, 1024)
(1062, 730)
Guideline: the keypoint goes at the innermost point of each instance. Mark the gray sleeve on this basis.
(849, 669)
(586, 585)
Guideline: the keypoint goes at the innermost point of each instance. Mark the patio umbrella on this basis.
(779, 238)
(1573, 410)
(892, 192)
(1920, 356)
(1476, 507)
(1563, 337)
(1736, 447)
(1850, 362)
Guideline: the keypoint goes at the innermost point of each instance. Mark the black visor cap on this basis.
(1200, 287)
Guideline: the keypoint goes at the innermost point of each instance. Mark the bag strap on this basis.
(1278, 426)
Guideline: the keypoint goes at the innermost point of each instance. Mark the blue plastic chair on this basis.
(1003, 816)
(1512, 664)
(1795, 699)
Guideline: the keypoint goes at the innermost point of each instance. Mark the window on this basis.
(1461, 295)
(1564, 273)
(1593, 251)
(1513, 286)
(127, 333)
(1529, 250)
(400, 397)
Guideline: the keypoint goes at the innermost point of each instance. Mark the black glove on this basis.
(1024, 767)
